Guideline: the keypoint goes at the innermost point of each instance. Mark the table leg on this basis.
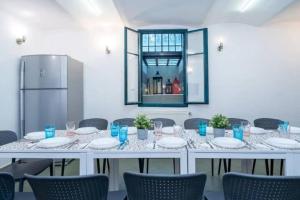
(83, 166)
(114, 175)
(292, 164)
(191, 164)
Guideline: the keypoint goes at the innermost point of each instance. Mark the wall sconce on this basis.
(21, 40)
(107, 50)
(220, 46)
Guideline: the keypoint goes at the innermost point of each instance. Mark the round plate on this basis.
(283, 143)
(294, 129)
(104, 143)
(86, 130)
(228, 143)
(132, 130)
(257, 131)
(35, 136)
(54, 142)
(171, 142)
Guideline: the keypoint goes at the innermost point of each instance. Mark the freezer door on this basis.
(44, 107)
(43, 71)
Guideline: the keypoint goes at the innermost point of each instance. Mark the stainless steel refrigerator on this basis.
(51, 92)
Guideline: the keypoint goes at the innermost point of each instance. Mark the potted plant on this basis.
(219, 123)
(142, 123)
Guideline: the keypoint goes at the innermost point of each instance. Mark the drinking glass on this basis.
(123, 134)
(114, 129)
(49, 131)
(238, 131)
(284, 129)
(157, 128)
(177, 129)
(202, 128)
(246, 128)
(70, 127)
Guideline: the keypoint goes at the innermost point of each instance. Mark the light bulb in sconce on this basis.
(107, 50)
(220, 45)
(21, 40)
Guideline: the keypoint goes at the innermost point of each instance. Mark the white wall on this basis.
(257, 74)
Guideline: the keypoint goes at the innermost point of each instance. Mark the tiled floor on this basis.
(161, 166)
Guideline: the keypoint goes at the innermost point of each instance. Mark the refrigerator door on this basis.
(43, 72)
(44, 107)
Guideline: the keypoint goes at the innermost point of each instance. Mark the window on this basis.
(166, 67)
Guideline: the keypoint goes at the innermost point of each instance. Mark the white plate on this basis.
(283, 143)
(54, 142)
(257, 131)
(228, 143)
(35, 136)
(132, 130)
(86, 130)
(104, 143)
(294, 129)
(168, 130)
(171, 142)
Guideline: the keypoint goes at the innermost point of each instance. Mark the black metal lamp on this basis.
(157, 84)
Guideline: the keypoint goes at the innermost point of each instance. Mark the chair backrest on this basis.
(69, 188)
(98, 123)
(125, 121)
(193, 123)
(7, 137)
(267, 123)
(234, 121)
(173, 187)
(239, 186)
(7, 186)
(165, 121)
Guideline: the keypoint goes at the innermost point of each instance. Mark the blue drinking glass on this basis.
(49, 131)
(202, 128)
(283, 129)
(123, 135)
(238, 131)
(114, 129)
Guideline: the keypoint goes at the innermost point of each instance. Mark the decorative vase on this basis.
(142, 134)
(219, 132)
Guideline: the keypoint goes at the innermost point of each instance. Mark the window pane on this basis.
(158, 49)
(151, 40)
(178, 39)
(162, 62)
(178, 48)
(171, 48)
(151, 49)
(171, 39)
(165, 39)
(173, 61)
(145, 49)
(145, 39)
(151, 61)
(158, 39)
(165, 48)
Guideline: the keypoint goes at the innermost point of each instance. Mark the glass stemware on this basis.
(70, 127)
(157, 128)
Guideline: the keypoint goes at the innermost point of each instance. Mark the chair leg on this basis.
(141, 165)
(281, 167)
(108, 166)
(229, 165)
(219, 168)
(253, 166)
(104, 166)
(225, 165)
(63, 164)
(267, 167)
(98, 166)
(212, 167)
(21, 185)
(147, 165)
(272, 167)
(174, 170)
(51, 168)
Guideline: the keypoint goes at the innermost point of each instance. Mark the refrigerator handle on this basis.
(22, 75)
(22, 114)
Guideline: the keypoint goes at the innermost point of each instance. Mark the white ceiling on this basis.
(57, 14)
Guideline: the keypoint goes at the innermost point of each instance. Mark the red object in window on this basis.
(176, 86)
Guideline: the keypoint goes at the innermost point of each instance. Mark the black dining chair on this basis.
(193, 123)
(227, 163)
(100, 124)
(94, 187)
(239, 186)
(268, 124)
(162, 187)
(19, 167)
(165, 122)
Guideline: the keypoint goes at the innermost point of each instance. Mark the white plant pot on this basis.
(142, 134)
(219, 132)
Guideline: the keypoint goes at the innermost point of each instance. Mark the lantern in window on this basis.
(157, 84)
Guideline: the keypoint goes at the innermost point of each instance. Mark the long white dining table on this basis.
(187, 156)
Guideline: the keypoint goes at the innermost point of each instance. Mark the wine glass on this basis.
(157, 128)
(246, 128)
(70, 127)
